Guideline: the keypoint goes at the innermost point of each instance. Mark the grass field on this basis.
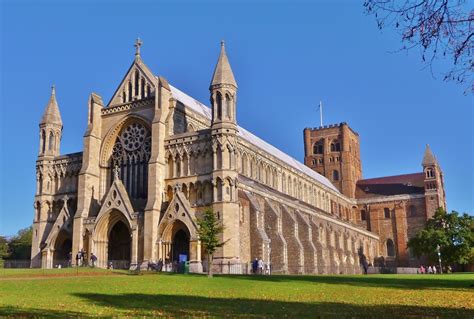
(65, 292)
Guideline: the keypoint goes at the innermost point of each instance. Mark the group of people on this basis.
(260, 268)
(81, 259)
(432, 270)
(155, 266)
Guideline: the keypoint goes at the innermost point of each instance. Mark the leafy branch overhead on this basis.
(439, 28)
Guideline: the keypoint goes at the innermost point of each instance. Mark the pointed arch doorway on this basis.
(112, 240)
(180, 246)
(62, 249)
(120, 244)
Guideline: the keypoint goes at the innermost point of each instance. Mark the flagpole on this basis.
(321, 112)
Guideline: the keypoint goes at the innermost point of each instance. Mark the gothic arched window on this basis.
(137, 81)
(43, 140)
(129, 159)
(51, 141)
(335, 175)
(142, 86)
(228, 104)
(130, 91)
(219, 105)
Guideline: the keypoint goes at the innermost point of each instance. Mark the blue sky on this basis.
(286, 56)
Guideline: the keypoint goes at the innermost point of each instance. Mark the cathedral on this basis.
(154, 159)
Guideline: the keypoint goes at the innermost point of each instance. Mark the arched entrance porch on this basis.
(113, 241)
(175, 242)
(177, 245)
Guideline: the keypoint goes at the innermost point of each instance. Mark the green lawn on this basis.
(62, 293)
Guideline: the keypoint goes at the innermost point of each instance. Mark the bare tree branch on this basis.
(439, 28)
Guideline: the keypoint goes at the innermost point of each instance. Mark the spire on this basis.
(51, 114)
(223, 72)
(428, 158)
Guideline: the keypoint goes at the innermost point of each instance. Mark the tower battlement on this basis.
(333, 151)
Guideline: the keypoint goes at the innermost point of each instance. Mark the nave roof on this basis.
(205, 111)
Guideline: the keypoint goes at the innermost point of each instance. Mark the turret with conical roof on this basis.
(51, 127)
(428, 158)
(224, 144)
(434, 183)
(223, 92)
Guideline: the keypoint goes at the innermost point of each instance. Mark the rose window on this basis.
(133, 136)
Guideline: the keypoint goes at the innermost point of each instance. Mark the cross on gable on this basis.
(137, 45)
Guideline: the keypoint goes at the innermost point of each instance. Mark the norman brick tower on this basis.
(434, 183)
(334, 151)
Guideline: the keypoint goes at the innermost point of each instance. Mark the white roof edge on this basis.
(205, 111)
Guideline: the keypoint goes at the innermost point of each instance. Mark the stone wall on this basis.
(301, 240)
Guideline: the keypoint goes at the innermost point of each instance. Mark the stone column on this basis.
(134, 257)
(195, 262)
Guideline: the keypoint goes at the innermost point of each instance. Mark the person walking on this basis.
(260, 266)
(255, 266)
(267, 268)
(78, 259)
(93, 260)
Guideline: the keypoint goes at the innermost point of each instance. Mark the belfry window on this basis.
(429, 173)
(51, 141)
(219, 105)
(318, 147)
(43, 140)
(228, 103)
(335, 146)
(129, 160)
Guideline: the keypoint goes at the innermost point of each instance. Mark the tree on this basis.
(20, 244)
(3, 247)
(438, 28)
(453, 233)
(209, 229)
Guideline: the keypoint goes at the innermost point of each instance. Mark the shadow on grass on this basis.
(182, 305)
(414, 282)
(14, 312)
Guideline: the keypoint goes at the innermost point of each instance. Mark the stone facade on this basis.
(154, 159)
(393, 207)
